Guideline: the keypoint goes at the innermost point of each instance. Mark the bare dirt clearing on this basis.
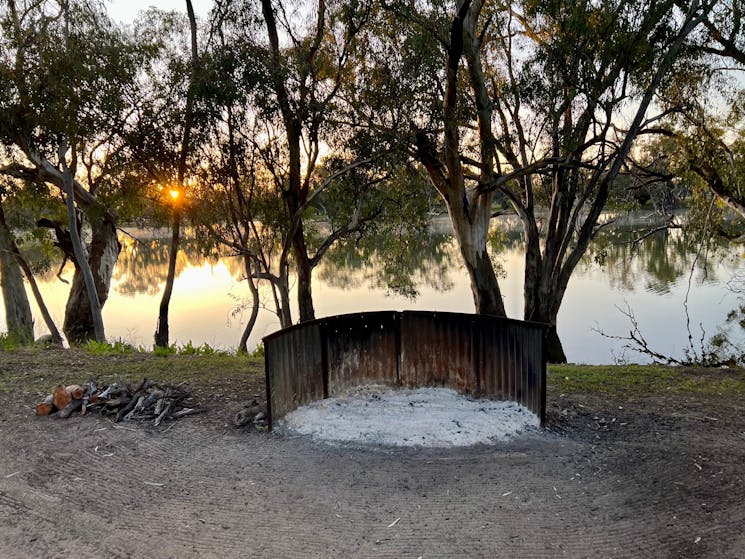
(659, 477)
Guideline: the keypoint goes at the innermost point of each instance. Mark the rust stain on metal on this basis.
(437, 350)
(294, 368)
(362, 349)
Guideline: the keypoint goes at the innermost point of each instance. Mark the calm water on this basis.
(653, 281)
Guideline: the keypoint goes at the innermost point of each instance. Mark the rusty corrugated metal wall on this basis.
(483, 356)
(295, 368)
(437, 350)
(362, 349)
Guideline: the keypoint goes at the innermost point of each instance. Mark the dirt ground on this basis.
(644, 477)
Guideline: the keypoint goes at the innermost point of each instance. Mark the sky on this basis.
(126, 10)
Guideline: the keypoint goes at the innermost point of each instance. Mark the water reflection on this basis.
(425, 273)
(428, 262)
(423, 261)
(658, 263)
(143, 264)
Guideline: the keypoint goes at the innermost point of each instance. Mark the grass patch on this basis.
(643, 380)
(116, 348)
(34, 370)
(10, 342)
(191, 349)
(120, 347)
(715, 387)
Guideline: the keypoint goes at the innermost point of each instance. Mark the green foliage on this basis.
(118, 347)
(398, 262)
(188, 349)
(737, 316)
(166, 351)
(498, 239)
(258, 352)
(9, 342)
(23, 203)
(727, 345)
(77, 70)
(396, 241)
(191, 349)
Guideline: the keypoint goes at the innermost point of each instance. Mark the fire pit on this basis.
(481, 356)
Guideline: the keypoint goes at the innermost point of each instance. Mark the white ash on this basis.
(423, 417)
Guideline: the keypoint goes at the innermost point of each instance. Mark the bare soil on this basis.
(655, 476)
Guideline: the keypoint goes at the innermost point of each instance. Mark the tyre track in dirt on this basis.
(55, 532)
(88, 488)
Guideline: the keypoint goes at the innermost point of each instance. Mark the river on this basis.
(655, 281)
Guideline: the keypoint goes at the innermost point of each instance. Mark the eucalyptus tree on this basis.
(187, 123)
(700, 144)
(25, 249)
(237, 206)
(64, 73)
(704, 137)
(18, 318)
(292, 174)
(307, 52)
(531, 109)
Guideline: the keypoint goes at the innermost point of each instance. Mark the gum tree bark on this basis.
(255, 302)
(469, 207)
(556, 176)
(295, 192)
(18, 317)
(83, 268)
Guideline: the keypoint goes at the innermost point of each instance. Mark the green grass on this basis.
(120, 347)
(116, 348)
(7, 343)
(10, 342)
(35, 370)
(643, 380)
(722, 387)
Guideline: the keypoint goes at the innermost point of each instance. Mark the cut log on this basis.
(60, 397)
(44, 408)
(75, 391)
(242, 418)
(152, 398)
(246, 416)
(136, 409)
(74, 405)
(126, 409)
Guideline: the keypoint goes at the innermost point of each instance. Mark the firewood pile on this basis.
(252, 414)
(147, 401)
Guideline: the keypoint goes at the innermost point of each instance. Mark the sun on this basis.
(174, 194)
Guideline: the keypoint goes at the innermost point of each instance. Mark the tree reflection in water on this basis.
(427, 260)
(424, 268)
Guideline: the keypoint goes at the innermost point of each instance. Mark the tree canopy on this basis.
(305, 128)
